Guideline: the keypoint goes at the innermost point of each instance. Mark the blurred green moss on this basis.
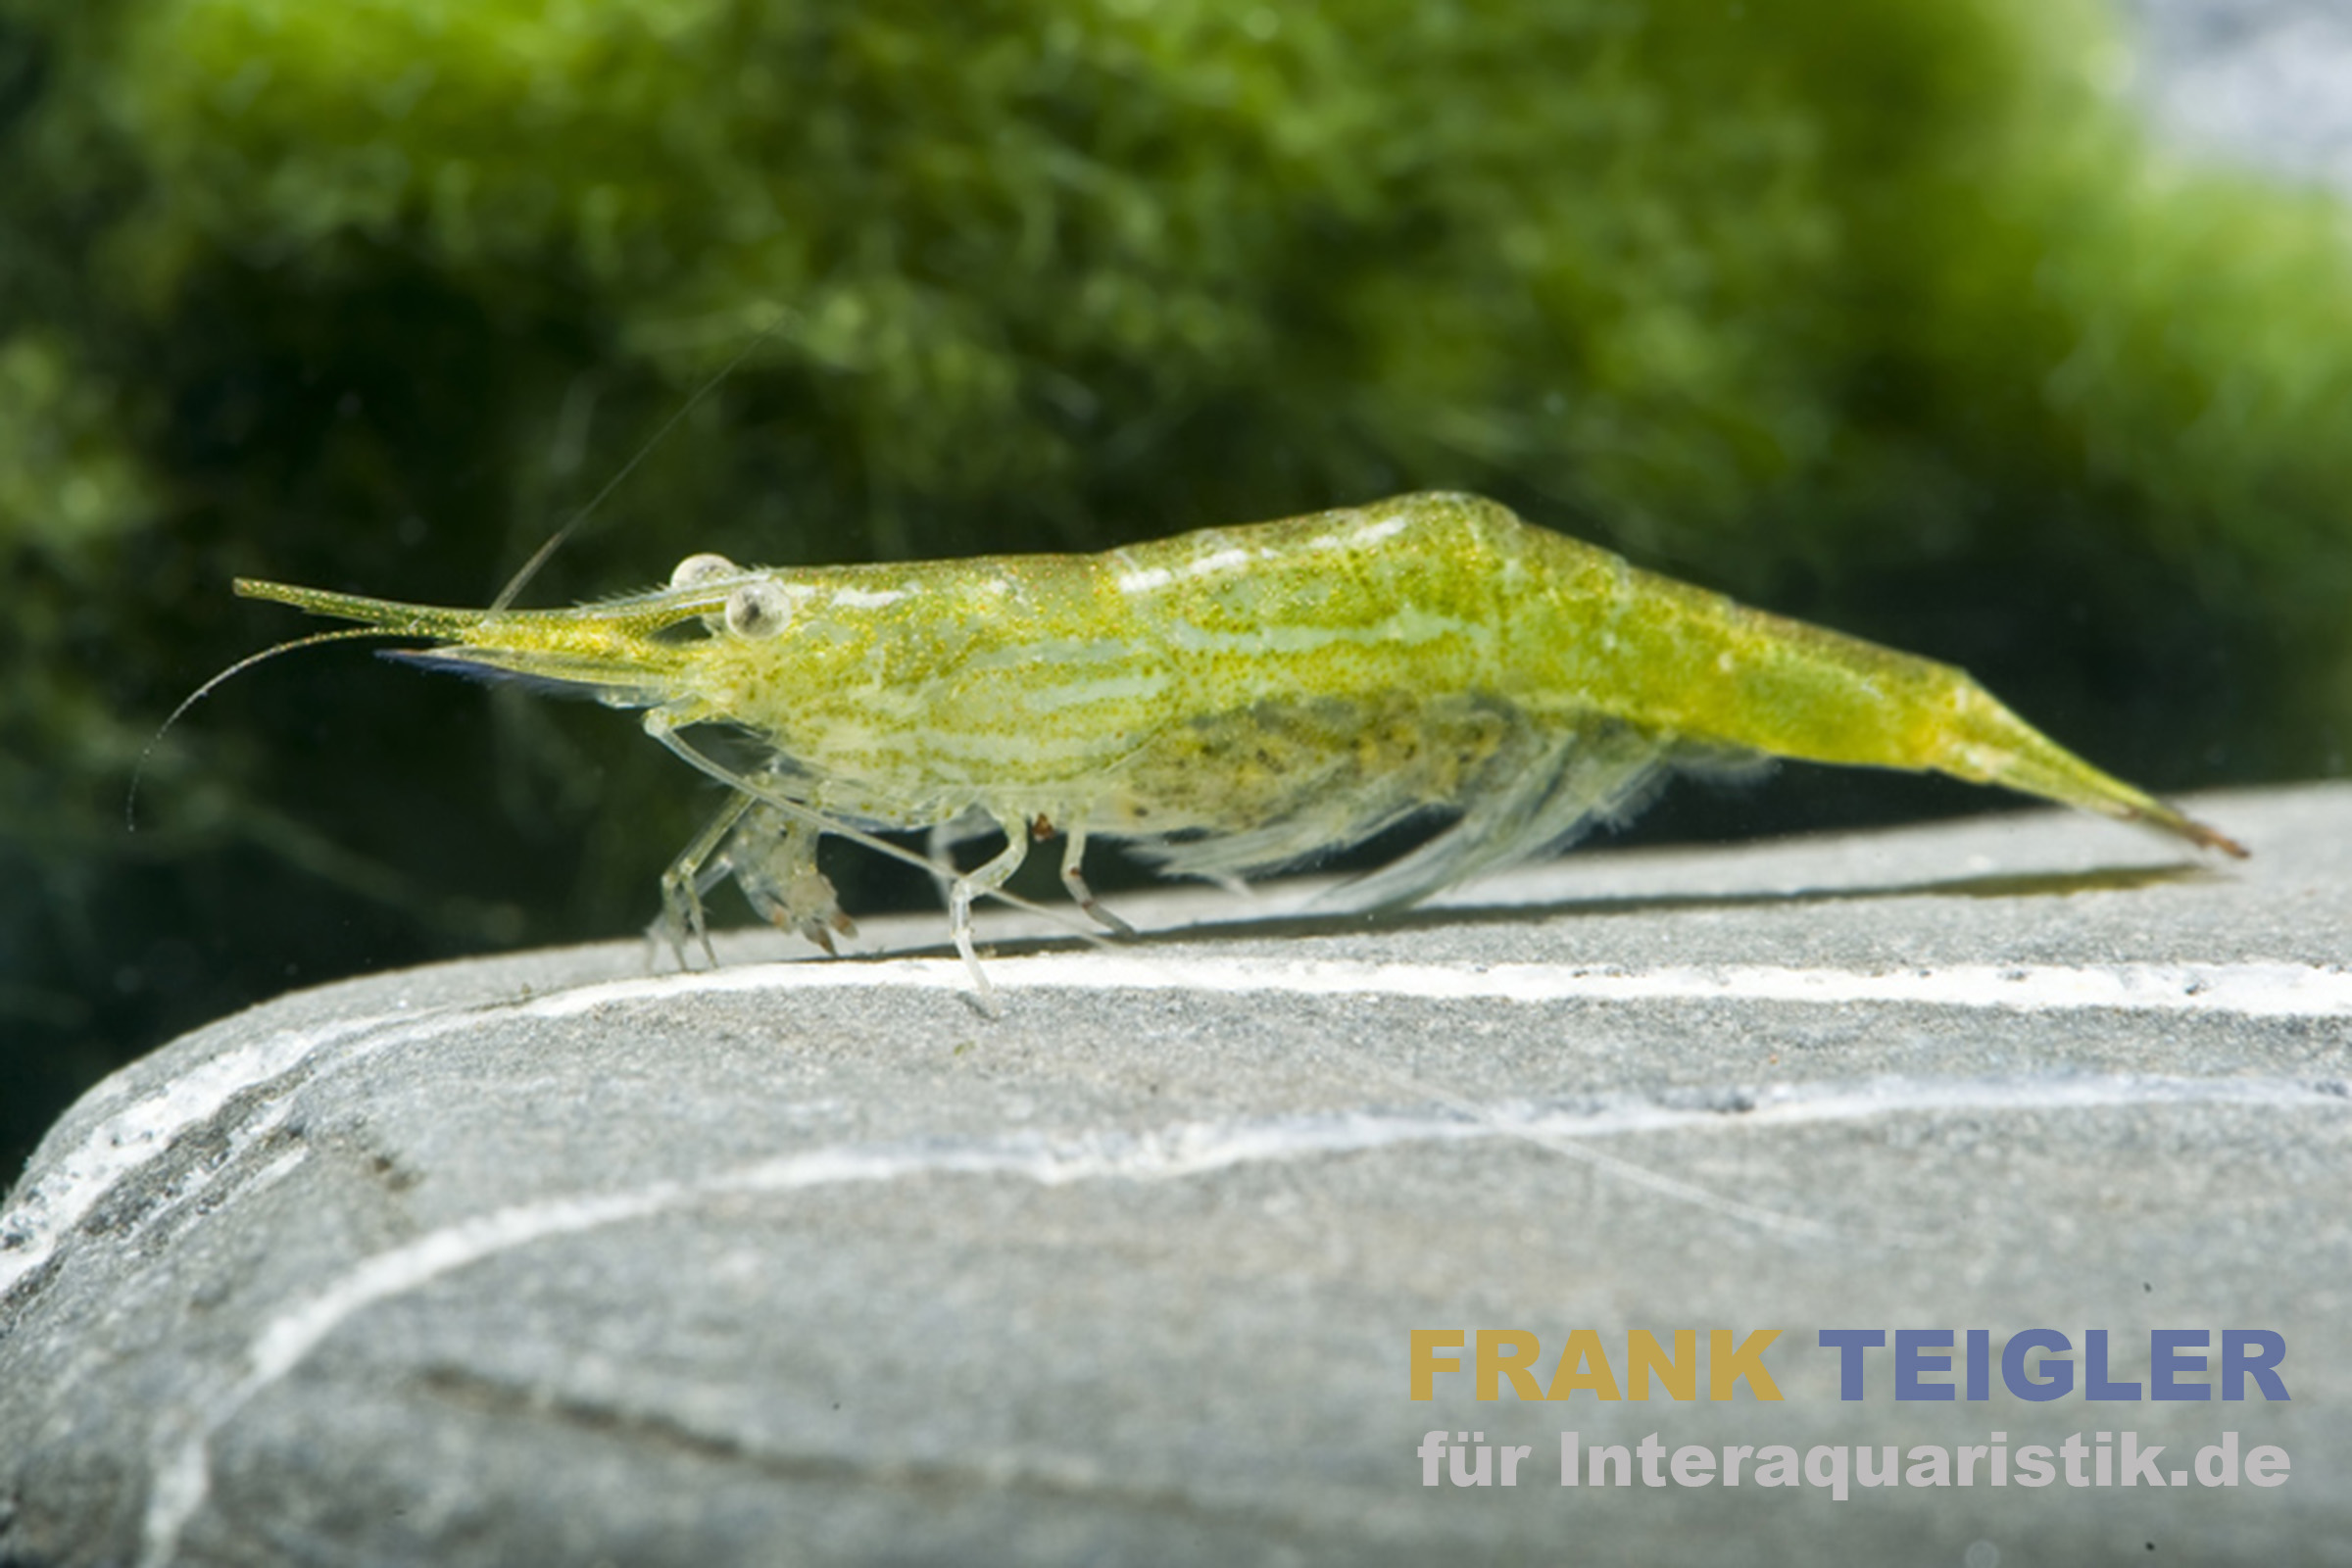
(1885, 315)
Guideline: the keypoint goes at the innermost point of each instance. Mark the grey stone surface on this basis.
(543, 1258)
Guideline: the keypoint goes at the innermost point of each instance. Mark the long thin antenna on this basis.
(130, 800)
(554, 541)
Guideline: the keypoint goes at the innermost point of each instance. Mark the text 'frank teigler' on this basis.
(1907, 1366)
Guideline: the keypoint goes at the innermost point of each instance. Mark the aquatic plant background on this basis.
(1888, 316)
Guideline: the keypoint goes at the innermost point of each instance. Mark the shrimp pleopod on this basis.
(1231, 701)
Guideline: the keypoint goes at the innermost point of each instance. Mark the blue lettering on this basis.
(1849, 1343)
(2095, 1384)
(2060, 1381)
(2167, 1360)
(1912, 1359)
(2239, 1360)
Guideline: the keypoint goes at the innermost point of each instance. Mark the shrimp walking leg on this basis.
(766, 789)
(1073, 878)
(987, 880)
(689, 877)
(1230, 702)
(774, 860)
(939, 846)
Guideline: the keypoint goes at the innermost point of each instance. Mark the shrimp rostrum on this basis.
(1231, 701)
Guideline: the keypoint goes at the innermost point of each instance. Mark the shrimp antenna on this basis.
(130, 800)
(555, 541)
(506, 597)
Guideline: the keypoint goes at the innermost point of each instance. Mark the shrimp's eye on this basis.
(758, 609)
(702, 568)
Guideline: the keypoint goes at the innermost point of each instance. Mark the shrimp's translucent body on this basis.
(1235, 699)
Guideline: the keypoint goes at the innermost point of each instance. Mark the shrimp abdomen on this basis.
(1684, 662)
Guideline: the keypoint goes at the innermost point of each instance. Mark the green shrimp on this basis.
(1232, 702)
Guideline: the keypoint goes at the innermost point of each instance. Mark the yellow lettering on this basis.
(1678, 1375)
(1726, 1367)
(1584, 1365)
(1426, 1364)
(1494, 1366)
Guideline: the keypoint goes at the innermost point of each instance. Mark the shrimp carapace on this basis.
(1236, 699)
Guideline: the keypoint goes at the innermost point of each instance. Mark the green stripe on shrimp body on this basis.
(1293, 685)
(1037, 671)
(1053, 671)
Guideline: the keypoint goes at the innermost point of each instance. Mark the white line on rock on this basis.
(2241, 990)
(75, 1182)
(1180, 1151)
(72, 1183)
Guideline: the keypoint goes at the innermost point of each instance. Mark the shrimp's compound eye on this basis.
(758, 609)
(703, 568)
